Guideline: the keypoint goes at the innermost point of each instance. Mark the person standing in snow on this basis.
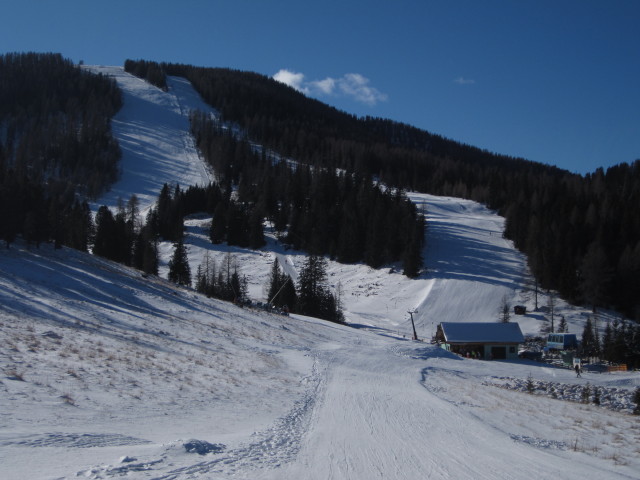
(577, 368)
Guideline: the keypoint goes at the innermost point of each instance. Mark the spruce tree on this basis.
(276, 282)
(314, 298)
(218, 229)
(562, 326)
(589, 341)
(105, 239)
(282, 292)
(179, 270)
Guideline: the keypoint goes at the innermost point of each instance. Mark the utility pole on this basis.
(415, 335)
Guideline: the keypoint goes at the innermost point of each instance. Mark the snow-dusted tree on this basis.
(179, 270)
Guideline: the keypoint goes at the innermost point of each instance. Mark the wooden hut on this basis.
(488, 341)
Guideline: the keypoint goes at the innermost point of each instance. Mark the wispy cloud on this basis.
(464, 81)
(351, 85)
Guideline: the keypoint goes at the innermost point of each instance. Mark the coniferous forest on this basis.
(55, 142)
(581, 233)
(330, 183)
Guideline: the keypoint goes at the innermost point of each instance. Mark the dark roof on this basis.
(476, 332)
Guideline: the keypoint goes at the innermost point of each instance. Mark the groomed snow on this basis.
(108, 374)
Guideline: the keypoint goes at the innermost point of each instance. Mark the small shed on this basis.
(520, 310)
(488, 341)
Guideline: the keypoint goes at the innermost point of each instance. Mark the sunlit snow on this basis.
(107, 373)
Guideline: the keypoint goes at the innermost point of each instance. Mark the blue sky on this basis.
(551, 81)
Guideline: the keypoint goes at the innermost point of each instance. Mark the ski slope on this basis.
(110, 374)
(153, 131)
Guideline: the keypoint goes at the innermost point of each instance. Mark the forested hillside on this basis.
(55, 141)
(315, 206)
(581, 233)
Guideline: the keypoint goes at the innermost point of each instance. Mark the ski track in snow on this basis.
(271, 449)
(75, 440)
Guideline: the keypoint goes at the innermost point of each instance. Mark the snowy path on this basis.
(380, 418)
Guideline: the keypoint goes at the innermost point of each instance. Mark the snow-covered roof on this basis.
(477, 332)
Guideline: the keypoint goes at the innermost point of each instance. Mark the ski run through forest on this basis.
(109, 373)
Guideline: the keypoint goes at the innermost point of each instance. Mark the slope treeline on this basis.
(55, 141)
(320, 210)
(581, 233)
(343, 215)
(152, 72)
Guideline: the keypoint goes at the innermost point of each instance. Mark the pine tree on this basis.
(276, 282)
(255, 233)
(412, 261)
(105, 239)
(179, 270)
(282, 291)
(218, 229)
(589, 343)
(530, 385)
(595, 275)
(314, 299)
(562, 326)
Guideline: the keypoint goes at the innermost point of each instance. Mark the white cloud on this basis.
(464, 81)
(293, 79)
(351, 85)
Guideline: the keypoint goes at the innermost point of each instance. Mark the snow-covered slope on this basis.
(108, 374)
(469, 263)
(152, 129)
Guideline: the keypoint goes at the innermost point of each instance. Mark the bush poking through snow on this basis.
(202, 448)
(15, 375)
(530, 385)
(586, 393)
